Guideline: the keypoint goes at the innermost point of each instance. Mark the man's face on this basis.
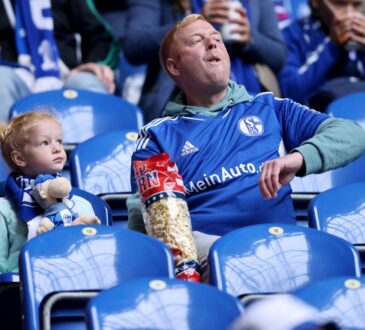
(330, 9)
(200, 57)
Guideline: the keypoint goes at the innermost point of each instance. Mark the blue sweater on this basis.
(313, 59)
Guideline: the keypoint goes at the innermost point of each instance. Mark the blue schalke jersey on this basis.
(220, 159)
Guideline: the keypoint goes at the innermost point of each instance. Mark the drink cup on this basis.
(227, 28)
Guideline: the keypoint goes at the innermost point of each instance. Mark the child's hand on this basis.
(44, 226)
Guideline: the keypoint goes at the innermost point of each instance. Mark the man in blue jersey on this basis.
(326, 53)
(225, 142)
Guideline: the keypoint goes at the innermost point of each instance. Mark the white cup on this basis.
(228, 27)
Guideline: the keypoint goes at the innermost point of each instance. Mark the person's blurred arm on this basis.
(98, 45)
(13, 235)
(306, 70)
(267, 44)
(144, 31)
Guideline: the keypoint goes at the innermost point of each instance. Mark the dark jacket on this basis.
(70, 17)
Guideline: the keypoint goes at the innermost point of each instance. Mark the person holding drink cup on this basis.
(255, 31)
(326, 53)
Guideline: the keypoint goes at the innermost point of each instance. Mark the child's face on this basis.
(43, 152)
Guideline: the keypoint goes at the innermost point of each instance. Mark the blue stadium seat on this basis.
(61, 269)
(102, 166)
(83, 114)
(159, 303)
(341, 299)
(278, 258)
(340, 211)
(350, 106)
(4, 172)
(100, 207)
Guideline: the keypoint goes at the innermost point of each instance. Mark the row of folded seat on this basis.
(105, 277)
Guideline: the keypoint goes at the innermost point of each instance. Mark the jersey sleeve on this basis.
(298, 122)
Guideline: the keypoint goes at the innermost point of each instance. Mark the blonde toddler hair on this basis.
(14, 135)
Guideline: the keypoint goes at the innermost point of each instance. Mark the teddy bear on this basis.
(51, 193)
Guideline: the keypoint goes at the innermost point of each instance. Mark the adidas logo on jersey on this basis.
(188, 148)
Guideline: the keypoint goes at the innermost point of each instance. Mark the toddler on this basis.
(32, 145)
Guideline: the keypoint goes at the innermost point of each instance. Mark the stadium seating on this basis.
(61, 269)
(102, 166)
(101, 209)
(350, 106)
(158, 303)
(341, 299)
(83, 114)
(4, 172)
(278, 258)
(340, 211)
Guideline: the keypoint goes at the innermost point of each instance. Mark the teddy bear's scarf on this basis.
(18, 189)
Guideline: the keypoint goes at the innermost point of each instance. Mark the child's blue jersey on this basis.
(220, 159)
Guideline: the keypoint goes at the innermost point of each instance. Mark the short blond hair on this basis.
(14, 135)
(167, 41)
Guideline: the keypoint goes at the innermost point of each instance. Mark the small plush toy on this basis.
(51, 194)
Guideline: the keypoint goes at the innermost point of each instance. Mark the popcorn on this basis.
(165, 211)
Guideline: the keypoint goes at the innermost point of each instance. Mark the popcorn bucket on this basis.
(165, 212)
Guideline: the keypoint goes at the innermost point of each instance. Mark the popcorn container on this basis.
(165, 212)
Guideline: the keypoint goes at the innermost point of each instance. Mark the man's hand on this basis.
(218, 12)
(243, 26)
(358, 30)
(348, 28)
(278, 172)
(103, 72)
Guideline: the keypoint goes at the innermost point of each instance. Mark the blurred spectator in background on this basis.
(114, 12)
(288, 10)
(257, 50)
(283, 12)
(53, 44)
(326, 56)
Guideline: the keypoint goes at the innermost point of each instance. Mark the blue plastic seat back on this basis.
(350, 106)
(4, 169)
(277, 258)
(4, 172)
(102, 164)
(341, 299)
(317, 183)
(83, 114)
(340, 211)
(78, 258)
(162, 304)
(100, 207)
